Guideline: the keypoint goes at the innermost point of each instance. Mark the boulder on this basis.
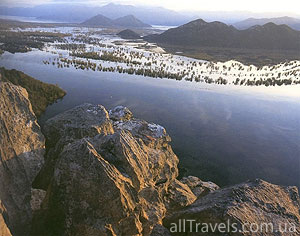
(179, 195)
(83, 121)
(254, 202)
(199, 188)
(120, 113)
(108, 176)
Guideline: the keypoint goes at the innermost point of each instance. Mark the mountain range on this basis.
(294, 23)
(200, 33)
(76, 13)
(129, 21)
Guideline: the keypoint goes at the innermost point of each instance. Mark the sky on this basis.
(259, 6)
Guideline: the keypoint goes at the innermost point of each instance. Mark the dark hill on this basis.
(99, 20)
(294, 23)
(199, 33)
(130, 21)
(128, 34)
(269, 36)
(127, 21)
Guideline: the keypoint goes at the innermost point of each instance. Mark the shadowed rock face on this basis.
(21, 158)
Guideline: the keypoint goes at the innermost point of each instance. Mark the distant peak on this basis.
(110, 4)
(100, 16)
(273, 25)
(269, 24)
(200, 21)
(286, 17)
(129, 16)
(196, 23)
(218, 23)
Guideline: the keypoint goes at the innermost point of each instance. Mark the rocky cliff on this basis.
(21, 157)
(108, 173)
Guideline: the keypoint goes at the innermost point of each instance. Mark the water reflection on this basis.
(226, 137)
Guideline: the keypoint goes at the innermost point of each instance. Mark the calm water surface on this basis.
(223, 137)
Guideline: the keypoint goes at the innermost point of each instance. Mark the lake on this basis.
(219, 134)
(28, 19)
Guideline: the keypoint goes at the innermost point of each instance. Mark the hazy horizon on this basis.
(259, 8)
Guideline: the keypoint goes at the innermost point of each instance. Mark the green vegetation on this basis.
(70, 46)
(87, 65)
(276, 79)
(24, 41)
(40, 94)
(267, 82)
(105, 56)
(88, 55)
(9, 24)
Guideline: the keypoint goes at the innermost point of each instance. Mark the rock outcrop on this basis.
(21, 158)
(105, 176)
(254, 202)
(184, 192)
(80, 122)
(198, 187)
